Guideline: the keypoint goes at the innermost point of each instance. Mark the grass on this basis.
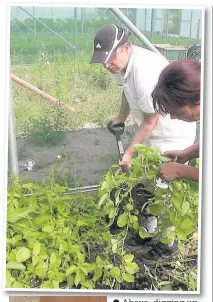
(89, 89)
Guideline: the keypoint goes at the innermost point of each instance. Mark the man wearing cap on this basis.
(137, 70)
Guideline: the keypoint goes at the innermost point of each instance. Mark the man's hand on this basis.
(179, 156)
(170, 171)
(126, 160)
(117, 120)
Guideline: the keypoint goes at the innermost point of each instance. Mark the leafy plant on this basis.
(48, 130)
(175, 206)
(59, 241)
(100, 78)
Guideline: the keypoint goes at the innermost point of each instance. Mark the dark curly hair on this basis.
(178, 86)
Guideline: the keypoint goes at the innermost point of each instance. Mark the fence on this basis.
(71, 30)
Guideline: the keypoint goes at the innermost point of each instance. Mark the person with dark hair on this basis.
(137, 70)
(178, 93)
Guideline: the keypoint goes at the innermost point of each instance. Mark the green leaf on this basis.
(88, 285)
(41, 268)
(114, 243)
(53, 258)
(156, 209)
(23, 254)
(48, 229)
(46, 284)
(87, 267)
(187, 223)
(143, 233)
(17, 214)
(177, 202)
(81, 257)
(140, 148)
(82, 222)
(128, 277)
(17, 284)
(185, 207)
(102, 199)
(36, 248)
(133, 218)
(122, 220)
(63, 248)
(99, 260)
(131, 267)
(71, 269)
(177, 186)
(74, 248)
(164, 159)
(70, 280)
(55, 283)
(128, 258)
(111, 213)
(79, 277)
(129, 207)
(9, 279)
(35, 260)
(16, 239)
(98, 273)
(115, 272)
(15, 265)
(181, 234)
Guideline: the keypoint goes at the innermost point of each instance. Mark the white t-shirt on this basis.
(138, 82)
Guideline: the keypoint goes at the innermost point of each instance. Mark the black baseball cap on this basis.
(106, 41)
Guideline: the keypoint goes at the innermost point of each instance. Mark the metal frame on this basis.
(12, 134)
(134, 29)
(22, 23)
(55, 33)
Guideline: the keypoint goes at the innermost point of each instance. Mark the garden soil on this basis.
(86, 155)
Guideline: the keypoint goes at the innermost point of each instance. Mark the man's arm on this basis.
(144, 131)
(125, 109)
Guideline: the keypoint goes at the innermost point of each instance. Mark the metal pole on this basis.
(22, 23)
(152, 23)
(82, 21)
(134, 29)
(145, 19)
(167, 22)
(191, 23)
(34, 20)
(48, 28)
(198, 29)
(76, 29)
(12, 136)
(51, 10)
